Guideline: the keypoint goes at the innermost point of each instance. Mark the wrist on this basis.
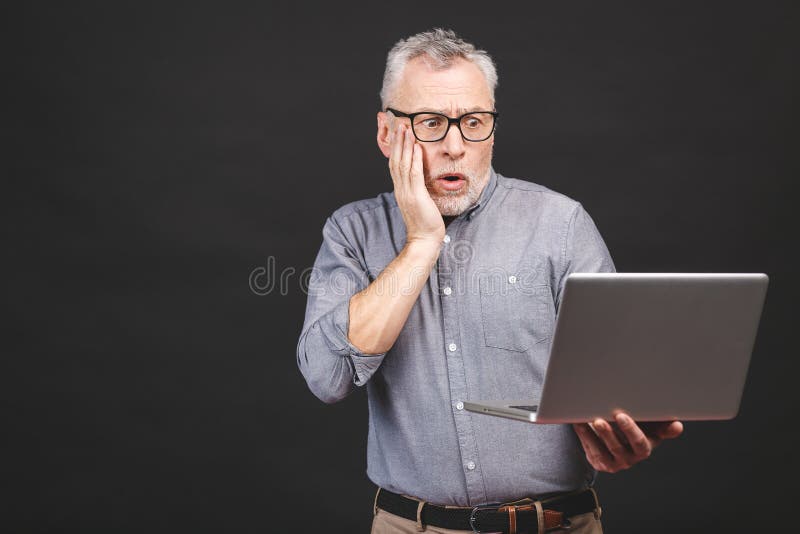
(424, 247)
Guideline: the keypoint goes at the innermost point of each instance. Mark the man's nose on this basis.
(454, 145)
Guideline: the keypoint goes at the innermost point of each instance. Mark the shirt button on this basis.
(452, 347)
(447, 290)
(470, 465)
(512, 279)
(446, 238)
(459, 405)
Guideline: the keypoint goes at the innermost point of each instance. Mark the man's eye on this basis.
(472, 122)
(431, 123)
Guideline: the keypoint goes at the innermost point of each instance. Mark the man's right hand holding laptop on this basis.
(612, 447)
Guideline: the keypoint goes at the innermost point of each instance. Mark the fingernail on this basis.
(598, 423)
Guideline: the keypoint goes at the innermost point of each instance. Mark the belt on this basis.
(525, 515)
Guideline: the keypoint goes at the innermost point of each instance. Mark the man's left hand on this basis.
(612, 447)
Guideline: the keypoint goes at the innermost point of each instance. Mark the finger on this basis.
(392, 129)
(397, 147)
(674, 430)
(417, 176)
(668, 430)
(397, 140)
(638, 441)
(615, 446)
(408, 148)
(595, 450)
(620, 435)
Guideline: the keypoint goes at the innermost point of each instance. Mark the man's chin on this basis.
(454, 202)
(452, 205)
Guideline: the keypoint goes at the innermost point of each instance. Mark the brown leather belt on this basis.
(525, 515)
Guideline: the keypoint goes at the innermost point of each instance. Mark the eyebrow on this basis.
(460, 111)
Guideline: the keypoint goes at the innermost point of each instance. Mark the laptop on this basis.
(659, 346)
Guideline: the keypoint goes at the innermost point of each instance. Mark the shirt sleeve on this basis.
(584, 250)
(331, 365)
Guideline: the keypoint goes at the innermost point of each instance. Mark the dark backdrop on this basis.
(155, 155)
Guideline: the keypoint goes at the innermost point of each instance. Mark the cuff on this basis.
(335, 326)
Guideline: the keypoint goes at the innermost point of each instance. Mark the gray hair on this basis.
(441, 47)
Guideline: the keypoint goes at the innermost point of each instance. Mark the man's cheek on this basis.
(425, 161)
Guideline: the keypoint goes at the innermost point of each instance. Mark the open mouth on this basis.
(451, 182)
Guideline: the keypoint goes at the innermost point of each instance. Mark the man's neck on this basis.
(448, 219)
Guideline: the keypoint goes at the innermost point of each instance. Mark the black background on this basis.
(154, 155)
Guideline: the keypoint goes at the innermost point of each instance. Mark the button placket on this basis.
(456, 375)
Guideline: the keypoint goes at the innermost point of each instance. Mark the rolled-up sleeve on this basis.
(331, 365)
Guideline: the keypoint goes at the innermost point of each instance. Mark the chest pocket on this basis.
(515, 317)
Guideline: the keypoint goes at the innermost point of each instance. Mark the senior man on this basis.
(447, 289)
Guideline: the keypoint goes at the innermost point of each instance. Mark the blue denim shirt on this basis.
(480, 330)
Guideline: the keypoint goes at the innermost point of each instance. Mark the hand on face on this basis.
(423, 219)
(612, 447)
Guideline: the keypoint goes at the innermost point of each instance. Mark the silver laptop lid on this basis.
(658, 345)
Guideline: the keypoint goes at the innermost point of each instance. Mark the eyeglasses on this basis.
(429, 127)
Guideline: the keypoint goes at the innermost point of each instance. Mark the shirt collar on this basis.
(486, 194)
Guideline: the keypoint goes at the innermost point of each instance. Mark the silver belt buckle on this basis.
(473, 515)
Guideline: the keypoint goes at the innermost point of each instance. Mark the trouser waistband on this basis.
(524, 515)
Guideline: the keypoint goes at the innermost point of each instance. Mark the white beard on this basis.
(453, 203)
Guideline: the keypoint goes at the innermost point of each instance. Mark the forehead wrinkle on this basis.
(452, 89)
(459, 93)
(459, 111)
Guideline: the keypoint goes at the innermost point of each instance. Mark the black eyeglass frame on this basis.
(450, 122)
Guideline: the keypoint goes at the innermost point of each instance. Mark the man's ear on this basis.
(384, 133)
